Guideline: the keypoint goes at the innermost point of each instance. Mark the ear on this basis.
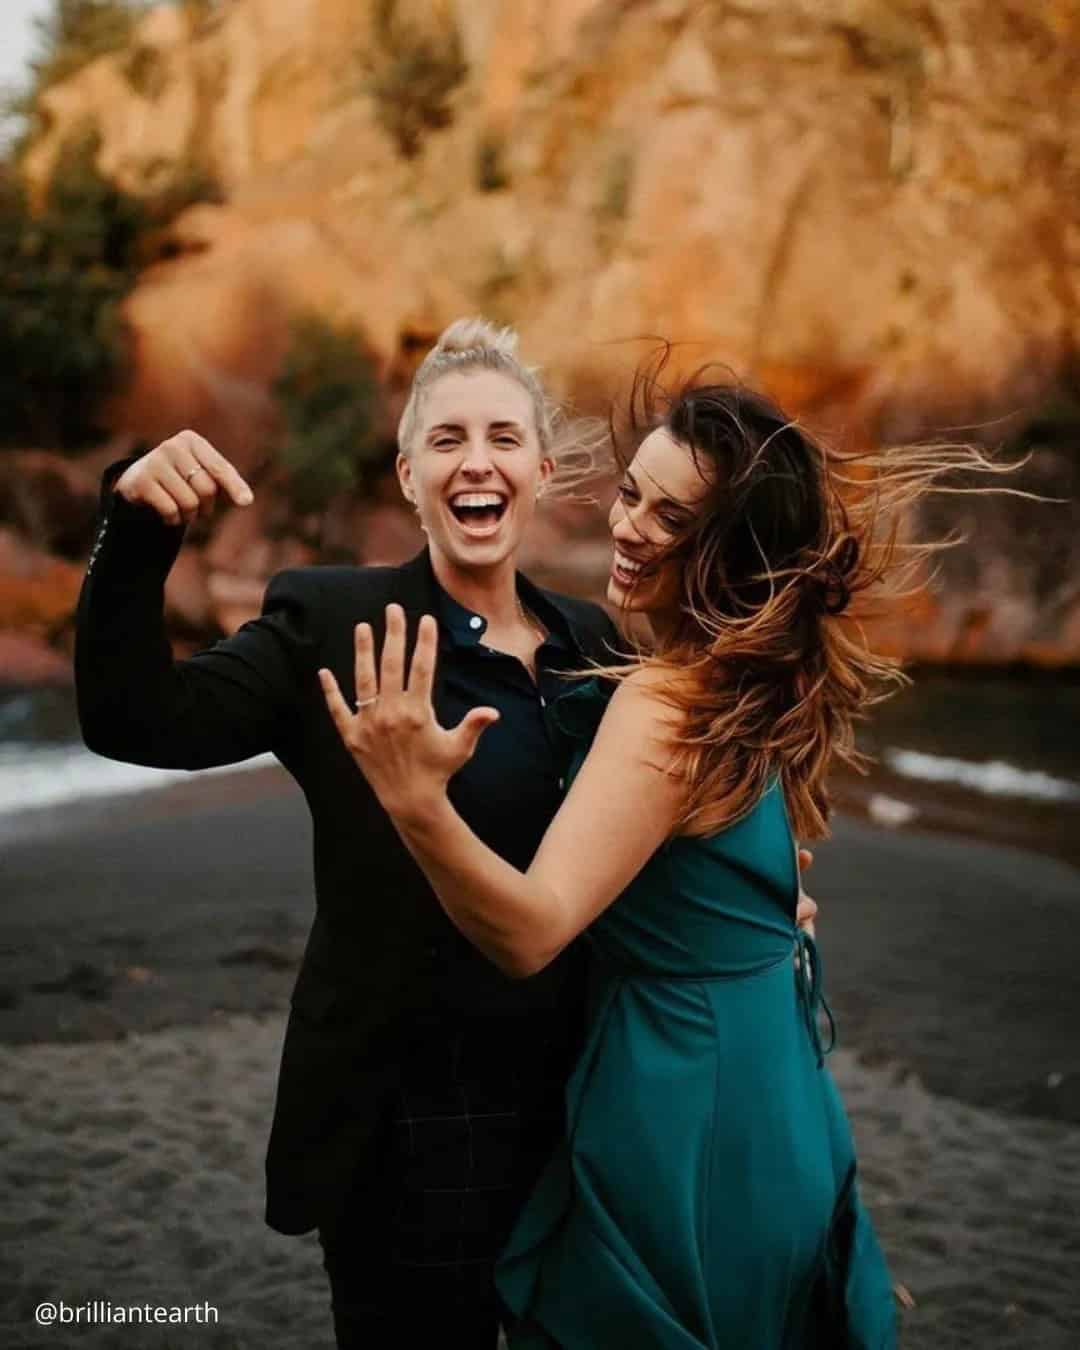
(404, 473)
(547, 468)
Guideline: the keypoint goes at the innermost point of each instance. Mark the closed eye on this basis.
(668, 519)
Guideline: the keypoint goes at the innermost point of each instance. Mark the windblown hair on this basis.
(767, 666)
(478, 344)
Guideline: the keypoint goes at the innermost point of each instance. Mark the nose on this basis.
(477, 461)
(624, 529)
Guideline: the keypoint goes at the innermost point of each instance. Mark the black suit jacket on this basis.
(380, 937)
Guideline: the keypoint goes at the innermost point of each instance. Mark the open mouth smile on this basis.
(478, 513)
(625, 570)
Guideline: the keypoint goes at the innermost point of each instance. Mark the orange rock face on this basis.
(869, 207)
(38, 593)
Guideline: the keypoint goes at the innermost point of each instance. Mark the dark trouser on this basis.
(411, 1256)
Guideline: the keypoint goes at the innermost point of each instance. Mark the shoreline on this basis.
(951, 957)
(1043, 828)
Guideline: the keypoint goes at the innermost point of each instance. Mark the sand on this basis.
(135, 1096)
(132, 1174)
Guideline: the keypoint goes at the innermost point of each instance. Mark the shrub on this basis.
(411, 77)
(491, 173)
(77, 32)
(66, 269)
(329, 401)
(145, 70)
(70, 36)
(180, 185)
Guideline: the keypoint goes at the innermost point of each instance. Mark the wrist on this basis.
(422, 815)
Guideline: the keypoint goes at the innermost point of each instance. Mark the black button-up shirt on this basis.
(508, 792)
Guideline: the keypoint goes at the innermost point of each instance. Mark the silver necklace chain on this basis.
(530, 620)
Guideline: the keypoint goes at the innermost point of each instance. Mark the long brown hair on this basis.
(767, 664)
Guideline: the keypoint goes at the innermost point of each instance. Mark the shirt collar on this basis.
(461, 627)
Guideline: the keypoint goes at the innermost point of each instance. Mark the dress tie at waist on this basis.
(808, 981)
(808, 984)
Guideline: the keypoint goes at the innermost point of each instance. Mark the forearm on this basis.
(123, 660)
(222, 705)
(510, 916)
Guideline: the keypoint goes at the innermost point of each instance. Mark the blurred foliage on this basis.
(77, 32)
(74, 33)
(411, 75)
(491, 171)
(66, 268)
(616, 186)
(145, 70)
(67, 264)
(178, 185)
(328, 396)
(70, 36)
(201, 11)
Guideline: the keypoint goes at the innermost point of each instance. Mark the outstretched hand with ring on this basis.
(393, 735)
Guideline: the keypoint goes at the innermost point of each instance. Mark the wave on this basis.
(34, 777)
(995, 777)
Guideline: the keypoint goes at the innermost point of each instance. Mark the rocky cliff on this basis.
(870, 206)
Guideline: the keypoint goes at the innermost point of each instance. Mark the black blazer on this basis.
(369, 963)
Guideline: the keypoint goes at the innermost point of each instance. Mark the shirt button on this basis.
(543, 701)
(476, 621)
(562, 784)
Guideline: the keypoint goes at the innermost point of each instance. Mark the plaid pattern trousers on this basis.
(477, 1113)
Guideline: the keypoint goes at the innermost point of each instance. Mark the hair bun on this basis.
(477, 335)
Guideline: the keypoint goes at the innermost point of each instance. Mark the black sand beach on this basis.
(147, 948)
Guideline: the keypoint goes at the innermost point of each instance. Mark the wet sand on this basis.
(146, 953)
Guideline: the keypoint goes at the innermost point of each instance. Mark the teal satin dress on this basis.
(704, 1194)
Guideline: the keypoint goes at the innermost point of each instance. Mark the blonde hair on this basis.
(478, 344)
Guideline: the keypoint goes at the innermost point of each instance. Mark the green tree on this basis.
(76, 32)
(66, 269)
(411, 74)
(328, 397)
(71, 35)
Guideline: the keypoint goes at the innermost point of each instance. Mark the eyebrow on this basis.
(492, 426)
(664, 501)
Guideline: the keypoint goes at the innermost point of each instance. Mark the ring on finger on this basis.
(191, 473)
(366, 702)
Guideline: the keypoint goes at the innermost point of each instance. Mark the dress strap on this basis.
(809, 980)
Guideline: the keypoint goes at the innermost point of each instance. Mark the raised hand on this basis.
(393, 736)
(181, 478)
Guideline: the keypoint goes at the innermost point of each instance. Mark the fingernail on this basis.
(246, 498)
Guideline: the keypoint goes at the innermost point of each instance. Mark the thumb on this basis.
(805, 859)
(472, 726)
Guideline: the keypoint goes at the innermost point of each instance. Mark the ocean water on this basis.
(994, 736)
(45, 766)
(1001, 736)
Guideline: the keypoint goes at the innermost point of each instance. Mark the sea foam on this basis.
(995, 777)
(33, 777)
